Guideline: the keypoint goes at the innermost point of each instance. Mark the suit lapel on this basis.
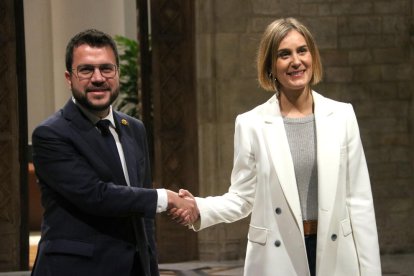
(130, 155)
(127, 142)
(91, 135)
(86, 129)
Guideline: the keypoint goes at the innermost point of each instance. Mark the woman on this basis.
(300, 170)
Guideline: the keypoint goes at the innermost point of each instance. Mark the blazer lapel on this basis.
(278, 148)
(328, 158)
(328, 152)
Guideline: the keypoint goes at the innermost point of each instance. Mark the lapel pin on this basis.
(124, 122)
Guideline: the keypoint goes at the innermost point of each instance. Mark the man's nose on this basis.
(97, 75)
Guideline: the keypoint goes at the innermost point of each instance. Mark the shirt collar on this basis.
(93, 118)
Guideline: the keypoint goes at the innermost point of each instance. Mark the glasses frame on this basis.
(100, 66)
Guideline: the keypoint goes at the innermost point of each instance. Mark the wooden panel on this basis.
(175, 119)
(13, 195)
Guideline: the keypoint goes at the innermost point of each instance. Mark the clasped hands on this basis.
(182, 207)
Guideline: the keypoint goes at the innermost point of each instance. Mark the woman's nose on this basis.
(296, 60)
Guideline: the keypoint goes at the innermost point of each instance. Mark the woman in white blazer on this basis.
(300, 170)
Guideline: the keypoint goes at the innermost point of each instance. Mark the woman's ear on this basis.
(270, 75)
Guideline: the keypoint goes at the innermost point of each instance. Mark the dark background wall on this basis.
(367, 50)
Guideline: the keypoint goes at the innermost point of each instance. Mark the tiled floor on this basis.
(202, 268)
(33, 241)
(392, 265)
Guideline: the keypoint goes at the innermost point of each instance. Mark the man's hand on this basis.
(182, 207)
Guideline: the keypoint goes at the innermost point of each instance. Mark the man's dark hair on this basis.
(92, 38)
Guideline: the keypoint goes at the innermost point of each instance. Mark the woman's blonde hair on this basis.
(269, 44)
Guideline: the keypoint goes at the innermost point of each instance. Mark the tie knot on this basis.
(103, 126)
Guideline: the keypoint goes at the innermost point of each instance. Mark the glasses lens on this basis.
(85, 71)
(107, 70)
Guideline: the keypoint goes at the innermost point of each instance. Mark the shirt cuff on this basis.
(162, 202)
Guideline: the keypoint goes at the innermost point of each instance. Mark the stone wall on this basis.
(367, 49)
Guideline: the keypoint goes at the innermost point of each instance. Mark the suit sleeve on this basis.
(238, 201)
(360, 202)
(66, 175)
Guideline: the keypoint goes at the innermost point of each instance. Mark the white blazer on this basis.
(263, 179)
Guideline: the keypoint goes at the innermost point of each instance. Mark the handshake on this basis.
(182, 207)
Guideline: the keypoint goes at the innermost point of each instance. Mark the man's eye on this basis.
(85, 70)
(106, 69)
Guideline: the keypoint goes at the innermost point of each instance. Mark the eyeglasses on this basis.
(86, 71)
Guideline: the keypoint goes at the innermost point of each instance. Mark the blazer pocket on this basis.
(69, 247)
(346, 227)
(257, 234)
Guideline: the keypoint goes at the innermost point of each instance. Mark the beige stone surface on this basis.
(368, 55)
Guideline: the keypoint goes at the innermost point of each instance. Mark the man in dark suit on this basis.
(94, 174)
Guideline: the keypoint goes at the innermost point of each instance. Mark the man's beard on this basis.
(81, 98)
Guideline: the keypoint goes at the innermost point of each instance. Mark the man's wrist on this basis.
(162, 202)
(171, 196)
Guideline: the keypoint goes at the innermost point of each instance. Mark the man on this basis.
(95, 181)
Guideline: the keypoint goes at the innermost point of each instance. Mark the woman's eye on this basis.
(303, 50)
(283, 54)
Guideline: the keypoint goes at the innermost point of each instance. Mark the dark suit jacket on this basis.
(90, 212)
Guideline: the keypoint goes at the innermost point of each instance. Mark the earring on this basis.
(276, 85)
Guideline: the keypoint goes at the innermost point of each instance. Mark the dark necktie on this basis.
(138, 223)
(103, 126)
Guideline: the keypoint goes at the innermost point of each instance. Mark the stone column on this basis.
(175, 120)
(226, 86)
(13, 139)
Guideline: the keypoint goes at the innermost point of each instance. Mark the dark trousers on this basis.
(137, 268)
(310, 242)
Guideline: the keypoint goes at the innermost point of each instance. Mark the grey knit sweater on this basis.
(301, 134)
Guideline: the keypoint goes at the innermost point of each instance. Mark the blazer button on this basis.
(333, 237)
(277, 243)
(278, 211)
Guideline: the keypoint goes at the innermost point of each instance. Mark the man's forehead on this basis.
(90, 50)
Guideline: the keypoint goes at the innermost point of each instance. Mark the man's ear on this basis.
(68, 79)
